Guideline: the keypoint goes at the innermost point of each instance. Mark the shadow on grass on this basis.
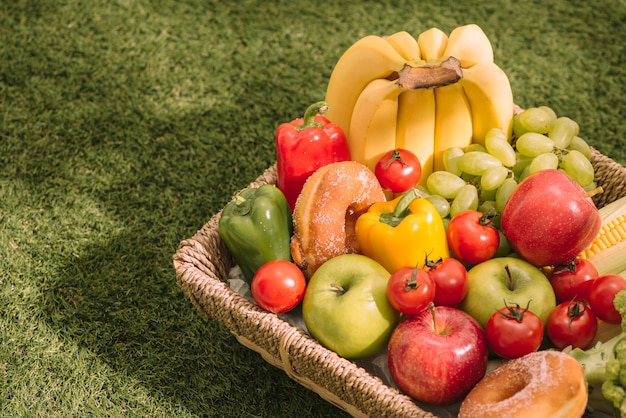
(140, 324)
(118, 296)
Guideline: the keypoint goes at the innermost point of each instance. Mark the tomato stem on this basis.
(487, 218)
(571, 266)
(432, 263)
(514, 312)
(412, 284)
(395, 156)
(575, 308)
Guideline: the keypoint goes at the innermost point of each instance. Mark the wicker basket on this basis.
(202, 265)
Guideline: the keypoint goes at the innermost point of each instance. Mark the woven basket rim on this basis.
(202, 264)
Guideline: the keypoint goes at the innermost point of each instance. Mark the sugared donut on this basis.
(548, 384)
(326, 210)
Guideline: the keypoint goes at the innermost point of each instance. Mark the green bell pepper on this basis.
(256, 227)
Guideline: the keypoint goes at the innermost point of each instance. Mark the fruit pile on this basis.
(479, 246)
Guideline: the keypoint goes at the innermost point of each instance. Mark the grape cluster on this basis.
(482, 177)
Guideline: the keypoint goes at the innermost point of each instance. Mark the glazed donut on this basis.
(330, 202)
(540, 384)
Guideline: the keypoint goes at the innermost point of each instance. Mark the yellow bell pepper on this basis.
(403, 232)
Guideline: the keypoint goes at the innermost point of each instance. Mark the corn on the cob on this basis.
(607, 252)
(611, 233)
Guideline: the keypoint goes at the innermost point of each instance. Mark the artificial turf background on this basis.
(124, 125)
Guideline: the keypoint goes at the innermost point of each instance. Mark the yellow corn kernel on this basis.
(611, 234)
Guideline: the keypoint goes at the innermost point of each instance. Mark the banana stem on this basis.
(430, 75)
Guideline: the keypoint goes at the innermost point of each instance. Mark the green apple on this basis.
(345, 306)
(509, 280)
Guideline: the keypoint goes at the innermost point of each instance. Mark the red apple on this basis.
(438, 355)
(549, 219)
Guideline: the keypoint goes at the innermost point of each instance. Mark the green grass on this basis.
(124, 125)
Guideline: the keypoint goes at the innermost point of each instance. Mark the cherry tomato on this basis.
(278, 286)
(410, 290)
(472, 236)
(602, 294)
(398, 170)
(450, 278)
(513, 331)
(573, 280)
(572, 323)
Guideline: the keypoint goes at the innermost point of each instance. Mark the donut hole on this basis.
(538, 384)
(511, 387)
(352, 214)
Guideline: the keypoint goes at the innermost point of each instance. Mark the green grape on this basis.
(578, 167)
(543, 161)
(440, 203)
(591, 186)
(421, 190)
(475, 147)
(470, 178)
(504, 192)
(466, 198)
(451, 159)
(504, 248)
(550, 111)
(532, 144)
(493, 177)
(518, 129)
(562, 131)
(522, 162)
(487, 194)
(536, 119)
(525, 173)
(488, 205)
(444, 184)
(497, 133)
(476, 162)
(498, 146)
(581, 145)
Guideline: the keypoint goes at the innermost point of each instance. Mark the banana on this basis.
(373, 124)
(490, 98)
(453, 121)
(370, 58)
(416, 127)
(406, 45)
(432, 44)
(367, 101)
(470, 45)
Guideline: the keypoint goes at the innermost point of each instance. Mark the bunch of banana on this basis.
(425, 94)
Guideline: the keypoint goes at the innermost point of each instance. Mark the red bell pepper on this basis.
(304, 145)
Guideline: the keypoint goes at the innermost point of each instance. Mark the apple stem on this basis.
(338, 288)
(593, 192)
(431, 307)
(508, 273)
